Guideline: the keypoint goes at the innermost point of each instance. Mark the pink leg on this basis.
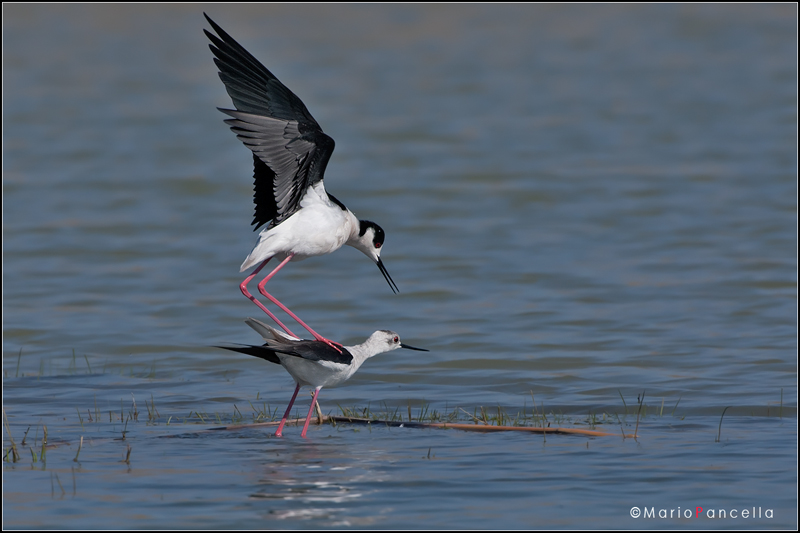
(279, 433)
(274, 300)
(243, 288)
(310, 410)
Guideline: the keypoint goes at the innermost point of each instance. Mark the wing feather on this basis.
(291, 149)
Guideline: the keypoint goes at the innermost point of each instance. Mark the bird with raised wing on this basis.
(316, 364)
(290, 153)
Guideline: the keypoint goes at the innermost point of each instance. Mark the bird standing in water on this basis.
(314, 363)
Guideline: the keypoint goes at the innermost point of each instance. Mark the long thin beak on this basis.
(386, 275)
(413, 348)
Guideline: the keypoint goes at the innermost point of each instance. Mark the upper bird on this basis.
(314, 363)
(290, 153)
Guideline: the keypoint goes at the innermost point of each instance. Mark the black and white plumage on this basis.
(316, 364)
(290, 153)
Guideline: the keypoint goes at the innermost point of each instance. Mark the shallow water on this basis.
(581, 204)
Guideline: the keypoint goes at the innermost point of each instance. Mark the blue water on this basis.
(582, 203)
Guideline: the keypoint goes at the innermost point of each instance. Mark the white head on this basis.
(370, 241)
(383, 341)
(379, 342)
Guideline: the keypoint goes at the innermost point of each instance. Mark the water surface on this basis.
(581, 203)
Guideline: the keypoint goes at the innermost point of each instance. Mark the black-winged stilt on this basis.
(290, 153)
(314, 363)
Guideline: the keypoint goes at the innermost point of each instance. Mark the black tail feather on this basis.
(262, 352)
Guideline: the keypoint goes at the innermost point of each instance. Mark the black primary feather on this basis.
(310, 350)
(256, 351)
(291, 151)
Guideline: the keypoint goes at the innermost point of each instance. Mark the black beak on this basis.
(413, 348)
(386, 275)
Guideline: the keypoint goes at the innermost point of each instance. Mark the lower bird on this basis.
(316, 363)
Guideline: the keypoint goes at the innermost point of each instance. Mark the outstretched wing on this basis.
(290, 150)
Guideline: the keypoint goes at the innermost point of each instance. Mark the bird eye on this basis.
(378, 244)
(396, 339)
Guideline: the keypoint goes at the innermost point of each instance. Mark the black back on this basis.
(311, 350)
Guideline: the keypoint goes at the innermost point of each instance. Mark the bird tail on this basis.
(267, 332)
(262, 352)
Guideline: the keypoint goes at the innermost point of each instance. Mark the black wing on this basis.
(311, 350)
(290, 150)
(262, 352)
(314, 351)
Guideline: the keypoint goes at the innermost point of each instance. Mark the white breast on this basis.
(316, 373)
(318, 228)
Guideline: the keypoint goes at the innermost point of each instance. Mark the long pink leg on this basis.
(274, 300)
(310, 410)
(243, 288)
(279, 433)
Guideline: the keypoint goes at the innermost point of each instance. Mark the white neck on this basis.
(375, 345)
